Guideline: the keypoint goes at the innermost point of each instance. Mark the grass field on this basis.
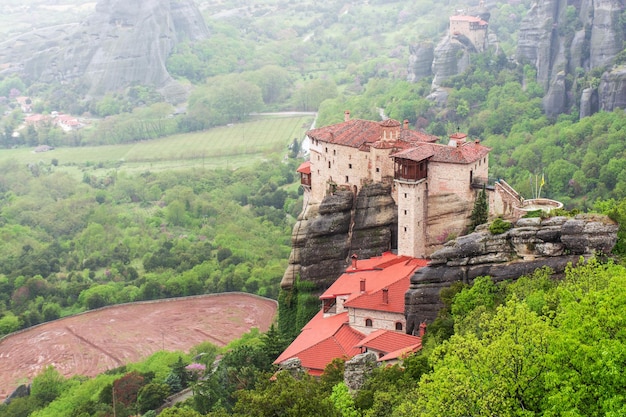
(223, 147)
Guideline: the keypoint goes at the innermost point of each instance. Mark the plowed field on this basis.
(93, 342)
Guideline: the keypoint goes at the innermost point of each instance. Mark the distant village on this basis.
(65, 122)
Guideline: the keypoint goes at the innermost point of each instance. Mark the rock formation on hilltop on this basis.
(533, 243)
(123, 43)
(560, 38)
(327, 234)
(558, 42)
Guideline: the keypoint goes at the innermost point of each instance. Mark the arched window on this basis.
(399, 326)
(368, 322)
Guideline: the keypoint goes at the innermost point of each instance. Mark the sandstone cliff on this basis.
(121, 44)
(328, 233)
(531, 244)
(558, 45)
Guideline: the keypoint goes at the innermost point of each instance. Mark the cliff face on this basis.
(328, 233)
(531, 244)
(557, 45)
(122, 43)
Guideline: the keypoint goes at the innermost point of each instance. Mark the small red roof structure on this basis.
(386, 342)
(321, 341)
(372, 279)
(470, 19)
(462, 153)
(378, 283)
(304, 168)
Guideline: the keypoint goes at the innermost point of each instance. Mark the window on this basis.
(328, 164)
(406, 212)
(406, 195)
(350, 166)
(334, 151)
(347, 179)
(405, 228)
(368, 322)
(326, 150)
(399, 326)
(377, 169)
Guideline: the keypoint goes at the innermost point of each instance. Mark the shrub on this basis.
(499, 226)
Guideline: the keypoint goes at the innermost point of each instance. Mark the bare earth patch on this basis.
(95, 341)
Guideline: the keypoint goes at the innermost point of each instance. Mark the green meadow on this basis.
(222, 147)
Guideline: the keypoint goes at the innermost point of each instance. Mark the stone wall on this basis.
(533, 243)
(380, 319)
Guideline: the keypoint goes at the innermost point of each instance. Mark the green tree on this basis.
(286, 396)
(9, 323)
(151, 396)
(480, 212)
(47, 386)
(500, 373)
(343, 401)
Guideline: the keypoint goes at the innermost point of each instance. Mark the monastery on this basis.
(434, 185)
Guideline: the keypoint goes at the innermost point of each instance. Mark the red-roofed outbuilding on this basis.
(368, 297)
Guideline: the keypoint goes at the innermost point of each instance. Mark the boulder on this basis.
(358, 369)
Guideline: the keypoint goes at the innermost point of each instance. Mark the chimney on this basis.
(346, 115)
(385, 295)
(354, 259)
(406, 124)
(362, 285)
(422, 329)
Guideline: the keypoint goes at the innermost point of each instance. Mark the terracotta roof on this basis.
(374, 300)
(321, 341)
(465, 153)
(387, 341)
(357, 133)
(34, 118)
(471, 19)
(304, 168)
(400, 353)
(378, 272)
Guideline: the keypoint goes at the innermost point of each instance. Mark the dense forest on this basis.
(70, 245)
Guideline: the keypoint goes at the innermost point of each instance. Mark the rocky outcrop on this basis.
(328, 233)
(121, 44)
(558, 46)
(358, 369)
(450, 58)
(533, 243)
(421, 58)
(612, 90)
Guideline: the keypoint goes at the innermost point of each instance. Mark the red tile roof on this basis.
(326, 338)
(471, 19)
(321, 341)
(304, 168)
(387, 341)
(401, 353)
(386, 271)
(357, 133)
(465, 153)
